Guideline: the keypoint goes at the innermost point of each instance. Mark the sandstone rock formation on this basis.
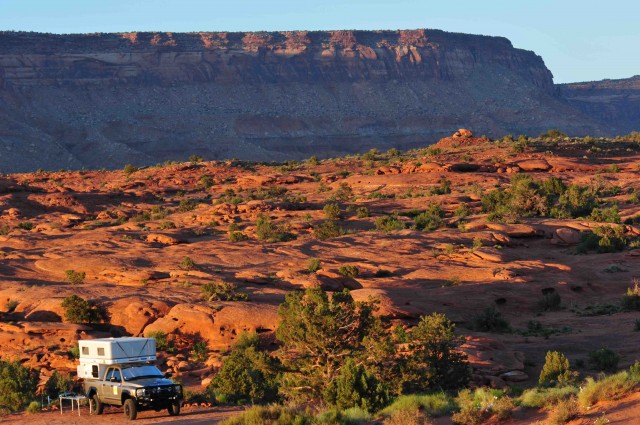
(104, 100)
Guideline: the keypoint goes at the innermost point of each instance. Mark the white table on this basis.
(73, 398)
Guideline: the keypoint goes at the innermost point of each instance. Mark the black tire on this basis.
(130, 409)
(174, 408)
(96, 405)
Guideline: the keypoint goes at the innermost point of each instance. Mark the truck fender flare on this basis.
(91, 391)
(125, 395)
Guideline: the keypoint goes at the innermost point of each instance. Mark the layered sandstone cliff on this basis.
(616, 103)
(103, 100)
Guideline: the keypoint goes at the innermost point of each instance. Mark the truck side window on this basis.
(116, 374)
(94, 370)
(109, 375)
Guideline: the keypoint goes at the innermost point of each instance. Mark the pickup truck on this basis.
(136, 387)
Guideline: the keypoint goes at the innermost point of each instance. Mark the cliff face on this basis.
(102, 100)
(616, 103)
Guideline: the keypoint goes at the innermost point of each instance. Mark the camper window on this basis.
(100, 351)
(85, 351)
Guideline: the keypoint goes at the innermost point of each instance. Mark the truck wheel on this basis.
(174, 408)
(96, 405)
(130, 409)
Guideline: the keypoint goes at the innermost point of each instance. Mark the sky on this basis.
(583, 40)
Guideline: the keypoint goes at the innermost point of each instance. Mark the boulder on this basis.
(489, 356)
(514, 376)
(464, 133)
(534, 165)
(135, 315)
(163, 239)
(515, 230)
(488, 254)
(566, 236)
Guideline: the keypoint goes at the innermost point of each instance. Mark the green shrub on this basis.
(194, 159)
(79, 310)
(74, 277)
(332, 211)
(631, 300)
(349, 270)
(200, 351)
(436, 404)
(344, 192)
(206, 181)
(187, 264)
(609, 387)
(563, 412)
(491, 320)
(267, 231)
(556, 370)
(382, 273)
(443, 189)
(75, 352)
(34, 407)
(463, 210)
(58, 383)
(162, 342)
(606, 215)
(26, 225)
(11, 305)
(356, 387)
(17, 385)
(328, 229)
(407, 417)
(604, 359)
(431, 219)
(362, 212)
(222, 291)
(313, 265)
(550, 301)
(237, 237)
(129, 169)
(434, 361)
(389, 223)
(546, 397)
(477, 407)
(247, 374)
(270, 415)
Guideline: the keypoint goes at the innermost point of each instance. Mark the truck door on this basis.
(106, 393)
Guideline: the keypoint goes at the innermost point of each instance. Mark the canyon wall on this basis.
(616, 103)
(103, 100)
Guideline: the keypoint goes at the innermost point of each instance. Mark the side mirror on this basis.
(168, 375)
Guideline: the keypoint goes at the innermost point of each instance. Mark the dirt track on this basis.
(115, 416)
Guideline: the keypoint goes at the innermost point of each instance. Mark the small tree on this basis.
(79, 310)
(556, 370)
(332, 211)
(247, 373)
(74, 277)
(17, 385)
(434, 361)
(356, 387)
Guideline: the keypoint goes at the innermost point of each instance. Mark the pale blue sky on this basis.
(579, 40)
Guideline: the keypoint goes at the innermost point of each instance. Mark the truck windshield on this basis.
(137, 372)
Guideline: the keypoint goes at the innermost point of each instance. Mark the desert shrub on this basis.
(17, 385)
(75, 352)
(478, 406)
(312, 160)
(556, 370)
(74, 277)
(431, 219)
(407, 417)
(267, 231)
(129, 169)
(162, 341)
(356, 387)
(343, 193)
(237, 237)
(349, 270)
(443, 189)
(546, 397)
(631, 300)
(577, 201)
(552, 134)
(604, 359)
(270, 415)
(434, 361)
(187, 205)
(187, 264)
(550, 301)
(26, 225)
(194, 159)
(34, 407)
(606, 215)
(563, 412)
(206, 181)
(79, 310)
(609, 387)
(490, 320)
(389, 223)
(604, 239)
(328, 229)
(463, 210)
(200, 351)
(222, 291)
(362, 212)
(332, 211)
(313, 265)
(58, 383)
(435, 404)
(382, 273)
